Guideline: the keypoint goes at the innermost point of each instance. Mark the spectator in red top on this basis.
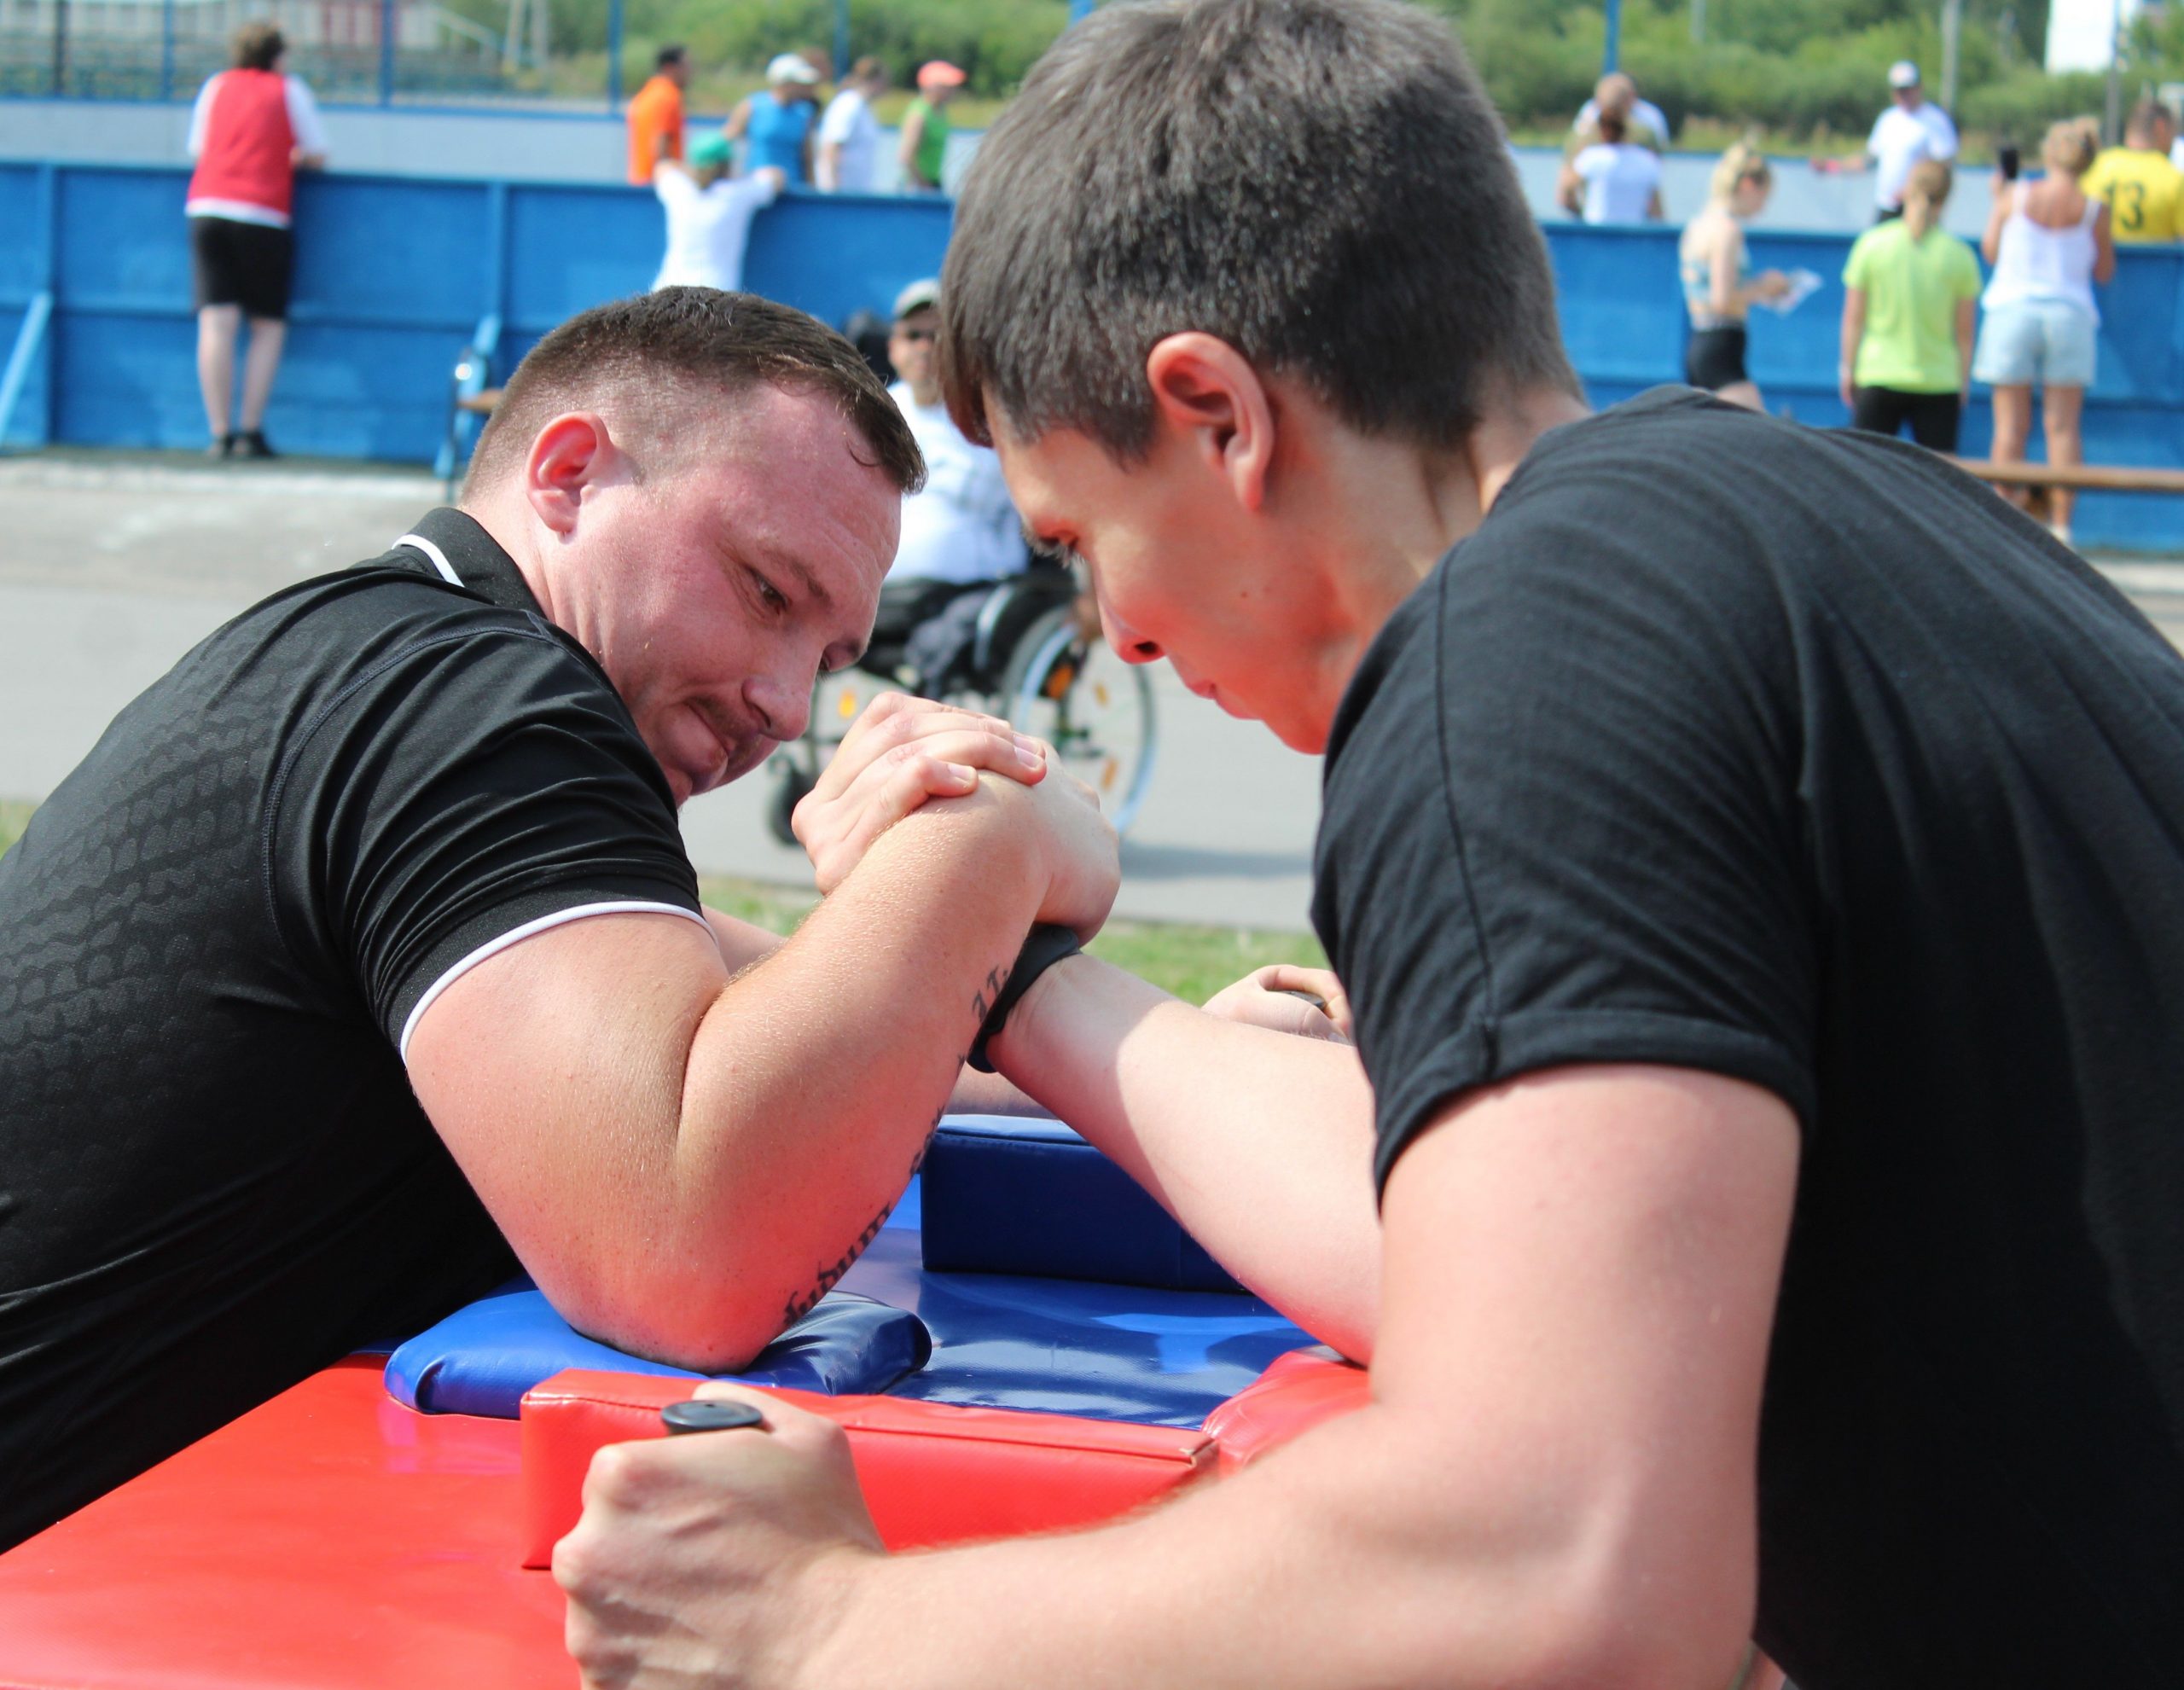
(253, 128)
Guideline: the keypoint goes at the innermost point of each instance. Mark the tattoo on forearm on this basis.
(989, 992)
(798, 1306)
(804, 1302)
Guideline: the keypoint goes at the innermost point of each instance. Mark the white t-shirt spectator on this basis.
(1643, 112)
(961, 526)
(707, 227)
(1899, 141)
(1620, 178)
(850, 125)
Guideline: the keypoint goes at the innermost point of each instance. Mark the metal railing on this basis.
(350, 51)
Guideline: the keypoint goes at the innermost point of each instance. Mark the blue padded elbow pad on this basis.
(1008, 1195)
(482, 1358)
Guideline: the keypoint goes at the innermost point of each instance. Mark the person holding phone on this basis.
(2049, 243)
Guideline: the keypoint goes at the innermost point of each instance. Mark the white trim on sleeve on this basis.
(201, 115)
(438, 558)
(517, 935)
(308, 133)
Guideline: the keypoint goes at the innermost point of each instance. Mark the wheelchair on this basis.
(1016, 648)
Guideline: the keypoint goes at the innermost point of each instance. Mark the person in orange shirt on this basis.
(655, 116)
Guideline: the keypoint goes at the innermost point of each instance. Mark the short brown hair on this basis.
(258, 44)
(1322, 183)
(2148, 115)
(866, 68)
(696, 338)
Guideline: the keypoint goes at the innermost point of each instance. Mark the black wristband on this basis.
(1045, 945)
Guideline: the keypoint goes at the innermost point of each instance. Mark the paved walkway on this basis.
(113, 565)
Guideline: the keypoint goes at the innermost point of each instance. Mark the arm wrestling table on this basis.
(336, 1539)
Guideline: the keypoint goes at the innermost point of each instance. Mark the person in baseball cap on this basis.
(961, 533)
(1911, 129)
(776, 123)
(925, 126)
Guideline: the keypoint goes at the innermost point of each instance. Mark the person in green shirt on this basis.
(1910, 297)
(925, 127)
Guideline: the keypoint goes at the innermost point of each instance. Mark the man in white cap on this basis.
(961, 532)
(1913, 128)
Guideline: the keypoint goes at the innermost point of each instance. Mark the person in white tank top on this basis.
(2049, 244)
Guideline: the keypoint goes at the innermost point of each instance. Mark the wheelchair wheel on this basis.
(1096, 710)
(790, 786)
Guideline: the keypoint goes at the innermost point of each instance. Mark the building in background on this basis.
(2082, 34)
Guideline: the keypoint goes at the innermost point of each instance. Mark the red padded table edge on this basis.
(932, 1472)
(1297, 1392)
(329, 1538)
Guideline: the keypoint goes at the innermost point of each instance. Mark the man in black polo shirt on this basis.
(406, 835)
(1755, 858)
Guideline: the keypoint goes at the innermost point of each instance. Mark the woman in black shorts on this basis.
(1718, 286)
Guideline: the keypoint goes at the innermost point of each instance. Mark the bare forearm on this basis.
(814, 1080)
(1260, 1142)
(1352, 1558)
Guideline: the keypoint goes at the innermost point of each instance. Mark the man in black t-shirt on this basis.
(364, 947)
(1756, 860)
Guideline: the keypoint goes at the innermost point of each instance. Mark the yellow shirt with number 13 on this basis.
(2144, 191)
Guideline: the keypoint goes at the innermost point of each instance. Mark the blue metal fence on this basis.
(396, 275)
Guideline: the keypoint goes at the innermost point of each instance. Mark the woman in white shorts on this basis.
(2048, 243)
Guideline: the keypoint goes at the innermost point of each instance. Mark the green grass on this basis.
(1194, 962)
(14, 816)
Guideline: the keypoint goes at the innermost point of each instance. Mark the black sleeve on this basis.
(1561, 819)
(462, 786)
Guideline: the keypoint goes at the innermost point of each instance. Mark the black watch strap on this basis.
(1045, 945)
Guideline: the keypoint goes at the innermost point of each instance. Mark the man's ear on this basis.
(570, 453)
(1207, 391)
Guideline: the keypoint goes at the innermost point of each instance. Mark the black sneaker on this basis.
(223, 446)
(251, 444)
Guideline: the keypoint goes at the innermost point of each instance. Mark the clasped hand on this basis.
(903, 753)
(724, 1558)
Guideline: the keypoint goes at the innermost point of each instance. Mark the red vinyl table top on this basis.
(329, 1538)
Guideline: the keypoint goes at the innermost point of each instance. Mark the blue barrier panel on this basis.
(22, 255)
(850, 252)
(394, 274)
(27, 210)
(571, 247)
